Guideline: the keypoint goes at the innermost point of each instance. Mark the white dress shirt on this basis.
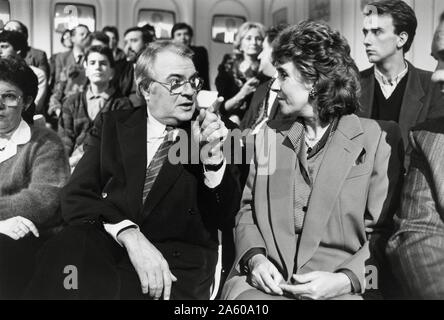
(156, 132)
(388, 86)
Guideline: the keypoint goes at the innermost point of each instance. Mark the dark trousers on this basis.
(103, 270)
(17, 263)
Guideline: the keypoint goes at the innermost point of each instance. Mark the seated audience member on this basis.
(113, 35)
(136, 39)
(143, 225)
(69, 72)
(183, 33)
(33, 57)
(66, 42)
(264, 104)
(13, 44)
(98, 38)
(318, 202)
(238, 76)
(80, 109)
(33, 168)
(416, 249)
(393, 89)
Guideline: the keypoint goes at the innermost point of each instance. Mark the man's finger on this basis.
(152, 284)
(214, 108)
(173, 277)
(159, 284)
(31, 227)
(167, 283)
(143, 281)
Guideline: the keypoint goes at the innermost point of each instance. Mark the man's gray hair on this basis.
(144, 66)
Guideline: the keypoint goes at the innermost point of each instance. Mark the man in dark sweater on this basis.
(394, 89)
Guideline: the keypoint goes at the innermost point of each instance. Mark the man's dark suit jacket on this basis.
(421, 101)
(37, 58)
(181, 214)
(200, 60)
(251, 114)
(62, 61)
(416, 249)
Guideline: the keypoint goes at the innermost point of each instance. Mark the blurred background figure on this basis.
(183, 33)
(33, 57)
(80, 109)
(69, 71)
(13, 45)
(66, 42)
(113, 35)
(136, 40)
(238, 75)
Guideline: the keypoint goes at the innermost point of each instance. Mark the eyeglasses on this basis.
(10, 99)
(176, 87)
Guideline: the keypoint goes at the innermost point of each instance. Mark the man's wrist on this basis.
(126, 236)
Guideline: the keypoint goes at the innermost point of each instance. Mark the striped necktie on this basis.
(156, 163)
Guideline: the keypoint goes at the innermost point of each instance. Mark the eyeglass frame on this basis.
(168, 86)
(2, 101)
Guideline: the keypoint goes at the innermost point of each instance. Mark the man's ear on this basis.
(403, 37)
(143, 89)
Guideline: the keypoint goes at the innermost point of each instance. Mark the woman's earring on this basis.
(313, 93)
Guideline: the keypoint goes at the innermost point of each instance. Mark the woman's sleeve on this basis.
(48, 172)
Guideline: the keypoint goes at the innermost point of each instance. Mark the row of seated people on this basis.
(310, 220)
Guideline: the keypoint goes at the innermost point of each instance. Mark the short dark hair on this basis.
(404, 18)
(272, 32)
(100, 36)
(22, 28)
(73, 31)
(180, 26)
(16, 71)
(113, 30)
(62, 37)
(322, 56)
(107, 52)
(16, 39)
(146, 36)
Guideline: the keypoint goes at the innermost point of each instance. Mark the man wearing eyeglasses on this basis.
(141, 225)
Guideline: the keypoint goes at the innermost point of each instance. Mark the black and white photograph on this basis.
(226, 156)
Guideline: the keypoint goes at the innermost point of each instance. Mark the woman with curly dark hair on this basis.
(322, 187)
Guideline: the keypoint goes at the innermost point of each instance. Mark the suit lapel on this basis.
(274, 109)
(280, 191)
(132, 140)
(340, 155)
(367, 93)
(412, 103)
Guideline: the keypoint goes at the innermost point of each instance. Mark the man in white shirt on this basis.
(393, 89)
(142, 225)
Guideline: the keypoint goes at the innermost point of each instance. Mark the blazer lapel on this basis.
(132, 141)
(367, 93)
(412, 103)
(340, 155)
(274, 109)
(280, 192)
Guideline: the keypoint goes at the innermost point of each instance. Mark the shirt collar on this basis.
(385, 81)
(106, 95)
(155, 129)
(21, 135)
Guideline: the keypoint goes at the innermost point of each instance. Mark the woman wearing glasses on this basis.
(33, 168)
(313, 219)
(80, 109)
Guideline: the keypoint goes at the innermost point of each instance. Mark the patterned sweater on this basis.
(30, 181)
